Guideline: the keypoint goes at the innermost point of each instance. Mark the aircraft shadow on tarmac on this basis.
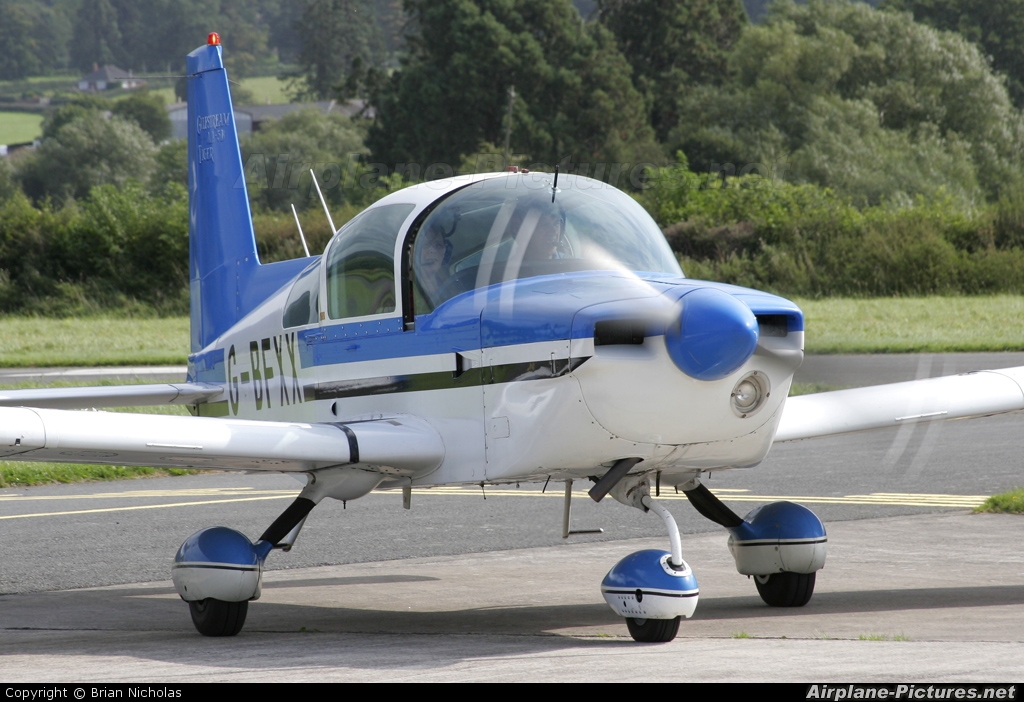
(158, 609)
(864, 601)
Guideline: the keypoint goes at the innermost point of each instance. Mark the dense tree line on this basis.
(832, 148)
(38, 37)
(869, 103)
(996, 26)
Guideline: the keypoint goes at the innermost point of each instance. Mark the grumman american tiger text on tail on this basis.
(911, 692)
(214, 121)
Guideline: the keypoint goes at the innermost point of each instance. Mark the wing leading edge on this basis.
(400, 445)
(112, 396)
(976, 394)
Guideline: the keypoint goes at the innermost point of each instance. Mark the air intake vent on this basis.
(619, 331)
(773, 324)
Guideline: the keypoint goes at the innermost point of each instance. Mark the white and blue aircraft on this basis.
(489, 329)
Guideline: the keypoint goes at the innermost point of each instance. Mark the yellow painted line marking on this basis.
(250, 495)
(140, 494)
(893, 499)
(137, 507)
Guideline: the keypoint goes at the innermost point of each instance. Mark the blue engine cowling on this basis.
(218, 562)
(644, 585)
(779, 537)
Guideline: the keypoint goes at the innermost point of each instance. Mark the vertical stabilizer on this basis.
(222, 244)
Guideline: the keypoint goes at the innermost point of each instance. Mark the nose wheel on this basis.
(653, 590)
(652, 630)
(785, 589)
(218, 618)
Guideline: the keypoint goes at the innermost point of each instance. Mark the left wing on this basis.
(976, 394)
(112, 396)
(399, 445)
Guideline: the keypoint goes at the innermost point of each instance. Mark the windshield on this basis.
(509, 228)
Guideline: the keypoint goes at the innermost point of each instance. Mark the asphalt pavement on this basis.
(463, 588)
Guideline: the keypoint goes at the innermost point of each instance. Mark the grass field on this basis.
(34, 341)
(20, 127)
(266, 90)
(39, 85)
(914, 325)
(910, 325)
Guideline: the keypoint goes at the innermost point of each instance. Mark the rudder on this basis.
(222, 243)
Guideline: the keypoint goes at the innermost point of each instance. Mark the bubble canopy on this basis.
(499, 230)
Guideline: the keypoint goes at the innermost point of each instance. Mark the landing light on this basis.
(749, 394)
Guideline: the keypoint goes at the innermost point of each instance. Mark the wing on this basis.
(112, 396)
(968, 395)
(399, 445)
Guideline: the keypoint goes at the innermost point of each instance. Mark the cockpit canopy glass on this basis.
(503, 229)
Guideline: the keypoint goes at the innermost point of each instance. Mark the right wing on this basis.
(976, 394)
(398, 445)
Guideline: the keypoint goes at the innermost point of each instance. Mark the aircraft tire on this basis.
(652, 630)
(785, 589)
(218, 618)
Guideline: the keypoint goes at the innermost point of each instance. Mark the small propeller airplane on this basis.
(486, 329)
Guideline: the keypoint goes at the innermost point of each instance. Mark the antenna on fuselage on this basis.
(301, 235)
(323, 202)
(554, 186)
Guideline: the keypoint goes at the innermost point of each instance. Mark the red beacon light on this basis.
(213, 39)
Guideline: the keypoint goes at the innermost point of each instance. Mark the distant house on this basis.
(250, 118)
(108, 78)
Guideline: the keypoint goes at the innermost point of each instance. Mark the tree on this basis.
(574, 97)
(333, 34)
(278, 158)
(18, 57)
(96, 35)
(859, 99)
(81, 105)
(8, 184)
(134, 34)
(997, 26)
(674, 44)
(147, 111)
(244, 38)
(89, 150)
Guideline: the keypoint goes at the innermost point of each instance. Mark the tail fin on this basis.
(222, 244)
(226, 280)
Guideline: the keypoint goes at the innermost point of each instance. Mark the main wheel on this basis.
(218, 618)
(652, 630)
(785, 589)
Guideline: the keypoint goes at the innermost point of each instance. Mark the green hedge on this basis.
(126, 249)
(120, 249)
(809, 241)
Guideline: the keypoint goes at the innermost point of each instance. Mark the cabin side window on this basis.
(361, 264)
(303, 305)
